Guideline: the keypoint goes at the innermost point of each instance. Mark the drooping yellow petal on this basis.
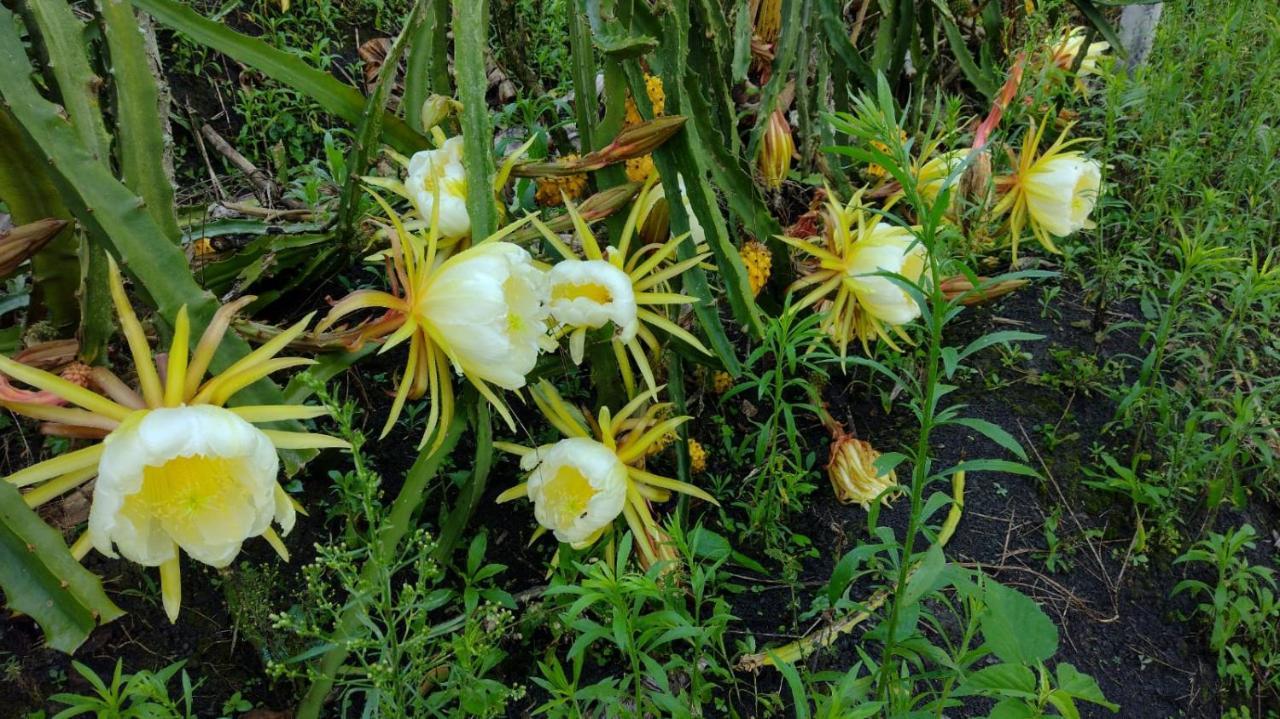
(274, 540)
(674, 485)
(65, 415)
(271, 347)
(672, 328)
(304, 440)
(590, 247)
(148, 378)
(556, 411)
(631, 407)
(278, 412)
(516, 492)
(60, 465)
(360, 300)
(658, 257)
(402, 393)
(664, 298)
(59, 486)
(209, 341)
(171, 585)
(633, 449)
(221, 388)
(670, 272)
(512, 448)
(175, 380)
(116, 389)
(81, 546)
(69, 391)
(554, 240)
(642, 363)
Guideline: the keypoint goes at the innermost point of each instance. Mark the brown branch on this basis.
(267, 187)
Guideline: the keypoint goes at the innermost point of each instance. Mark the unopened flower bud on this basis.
(776, 150)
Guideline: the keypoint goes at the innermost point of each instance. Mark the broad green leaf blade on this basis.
(336, 97)
(41, 579)
(1000, 680)
(1015, 628)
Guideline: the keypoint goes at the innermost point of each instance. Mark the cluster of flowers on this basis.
(852, 257)
(177, 470)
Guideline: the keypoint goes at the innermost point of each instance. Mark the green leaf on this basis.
(1096, 18)
(42, 580)
(1015, 628)
(995, 338)
(925, 578)
(994, 432)
(799, 697)
(626, 46)
(1081, 686)
(970, 68)
(1000, 680)
(1013, 709)
(335, 97)
(991, 465)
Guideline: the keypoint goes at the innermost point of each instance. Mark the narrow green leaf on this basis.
(336, 97)
(1099, 21)
(994, 432)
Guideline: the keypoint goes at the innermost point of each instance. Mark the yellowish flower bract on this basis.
(625, 285)
(1052, 192)
(581, 484)
(851, 258)
(852, 471)
(480, 311)
(177, 471)
(1067, 47)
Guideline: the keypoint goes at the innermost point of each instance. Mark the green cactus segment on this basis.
(109, 210)
(43, 581)
(139, 118)
(336, 97)
(26, 188)
(470, 38)
(62, 36)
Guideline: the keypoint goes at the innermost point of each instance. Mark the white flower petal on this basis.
(200, 477)
(592, 293)
(1062, 191)
(578, 487)
(886, 248)
(488, 305)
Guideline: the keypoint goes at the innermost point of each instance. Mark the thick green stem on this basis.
(471, 37)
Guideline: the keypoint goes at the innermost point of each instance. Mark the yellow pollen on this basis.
(184, 486)
(595, 292)
(572, 492)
